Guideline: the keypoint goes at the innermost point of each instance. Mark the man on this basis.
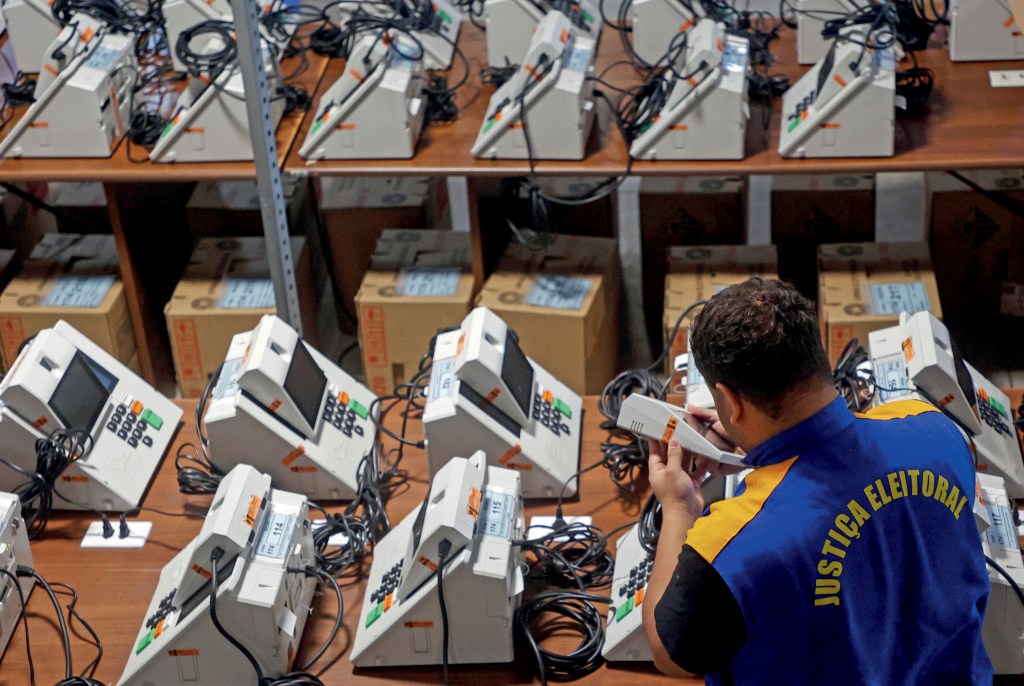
(850, 556)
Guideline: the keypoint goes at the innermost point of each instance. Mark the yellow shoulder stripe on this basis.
(712, 533)
(898, 409)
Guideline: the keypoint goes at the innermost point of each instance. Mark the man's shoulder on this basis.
(727, 518)
(898, 409)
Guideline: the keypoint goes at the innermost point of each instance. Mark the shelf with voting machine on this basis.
(513, 23)
(705, 110)
(285, 408)
(82, 96)
(546, 110)
(62, 382)
(844, 106)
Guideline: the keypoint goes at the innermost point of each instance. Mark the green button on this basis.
(152, 418)
(444, 17)
(624, 609)
(375, 614)
(796, 123)
(358, 408)
(587, 16)
(562, 407)
(997, 405)
(488, 125)
(146, 640)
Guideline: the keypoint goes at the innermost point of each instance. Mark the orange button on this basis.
(137, 407)
(343, 398)
(159, 628)
(548, 397)
(638, 598)
(387, 601)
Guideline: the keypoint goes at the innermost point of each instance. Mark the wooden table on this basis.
(115, 586)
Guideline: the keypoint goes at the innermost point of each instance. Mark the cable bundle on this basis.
(625, 455)
(571, 607)
(853, 376)
(85, 677)
(213, 59)
(54, 454)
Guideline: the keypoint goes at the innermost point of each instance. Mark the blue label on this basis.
(78, 291)
(430, 283)
(559, 292)
(227, 385)
(893, 298)
(247, 294)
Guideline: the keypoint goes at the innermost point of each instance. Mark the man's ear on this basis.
(734, 406)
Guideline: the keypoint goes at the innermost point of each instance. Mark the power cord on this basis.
(649, 524)
(573, 607)
(24, 621)
(624, 453)
(1009, 579)
(54, 453)
(443, 549)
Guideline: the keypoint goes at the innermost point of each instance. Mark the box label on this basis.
(247, 294)
(893, 298)
(442, 379)
(78, 291)
(430, 283)
(891, 379)
(375, 349)
(496, 513)
(12, 333)
(275, 537)
(559, 292)
(1012, 300)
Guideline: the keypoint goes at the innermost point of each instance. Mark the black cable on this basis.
(1013, 584)
(572, 607)
(24, 621)
(215, 557)
(54, 453)
(323, 576)
(625, 454)
(213, 61)
(855, 385)
(85, 677)
(65, 636)
(649, 524)
(443, 548)
(124, 531)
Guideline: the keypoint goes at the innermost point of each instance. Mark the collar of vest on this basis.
(811, 433)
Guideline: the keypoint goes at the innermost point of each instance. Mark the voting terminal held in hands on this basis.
(486, 394)
(289, 411)
(656, 419)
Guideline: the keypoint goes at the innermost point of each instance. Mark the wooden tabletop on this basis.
(116, 586)
(969, 125)
(119, 168)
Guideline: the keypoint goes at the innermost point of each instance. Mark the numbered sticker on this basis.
(275, 537)
(496, 513)
(442, 379)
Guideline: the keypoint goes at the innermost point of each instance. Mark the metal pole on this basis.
(268, 172)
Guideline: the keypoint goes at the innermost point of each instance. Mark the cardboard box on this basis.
(863, 287)
(564, 304)
(232, 208)
(225, 290)
(697, 273)
(419, 282)
(810, 210)
(71, 277)
(688, 210)
(354, 211)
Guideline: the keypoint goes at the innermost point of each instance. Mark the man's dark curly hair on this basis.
(761, 339)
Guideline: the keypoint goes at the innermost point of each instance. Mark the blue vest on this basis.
(853, 553)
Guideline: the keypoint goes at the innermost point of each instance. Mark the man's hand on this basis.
(714, 431)
(675, 477)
